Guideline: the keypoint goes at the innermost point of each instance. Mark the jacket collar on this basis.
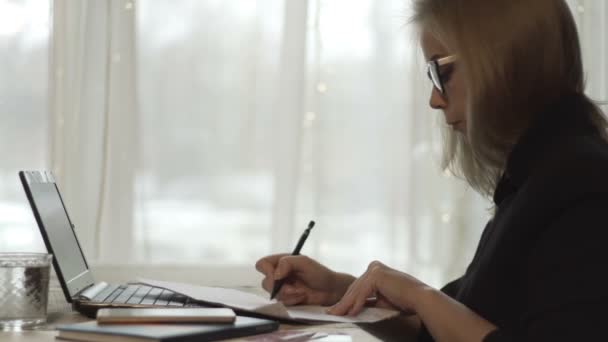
(566, 117)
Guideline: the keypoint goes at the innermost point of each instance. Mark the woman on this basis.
(508, 76)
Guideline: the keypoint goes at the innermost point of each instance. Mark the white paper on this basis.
(249, 302)
(214, 295)
(317, 313)
(300, 336)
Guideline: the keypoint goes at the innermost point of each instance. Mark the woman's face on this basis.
(453, 101)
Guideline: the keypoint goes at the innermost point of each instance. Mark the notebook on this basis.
(92, 332)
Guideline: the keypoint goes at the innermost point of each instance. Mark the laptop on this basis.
(77, 281)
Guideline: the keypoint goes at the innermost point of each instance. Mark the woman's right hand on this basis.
(306, 280)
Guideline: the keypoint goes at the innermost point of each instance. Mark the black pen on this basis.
(279, 283)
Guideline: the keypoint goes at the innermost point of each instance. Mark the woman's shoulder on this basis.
(576, 166)
(569, 183)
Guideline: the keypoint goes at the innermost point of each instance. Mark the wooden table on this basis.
(60, 312)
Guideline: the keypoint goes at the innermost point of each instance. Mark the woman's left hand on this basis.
(386, 284)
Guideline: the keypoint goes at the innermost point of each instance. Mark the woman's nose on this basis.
(437, 101)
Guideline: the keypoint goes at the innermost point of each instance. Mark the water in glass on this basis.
(24, 286)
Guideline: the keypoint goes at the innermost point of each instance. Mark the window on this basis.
(210, 132)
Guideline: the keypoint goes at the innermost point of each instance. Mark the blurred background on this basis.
(192, 137)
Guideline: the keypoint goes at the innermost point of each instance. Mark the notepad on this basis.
(241, 300)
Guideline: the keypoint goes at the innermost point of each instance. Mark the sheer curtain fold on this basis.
(24, 122)
(290, 106)
(76, 111)
(94, 133)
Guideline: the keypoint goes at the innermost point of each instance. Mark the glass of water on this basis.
(24, 288)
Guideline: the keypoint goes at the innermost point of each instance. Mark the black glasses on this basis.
(432, 71)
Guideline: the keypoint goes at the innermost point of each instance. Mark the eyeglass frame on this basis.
(432, 71)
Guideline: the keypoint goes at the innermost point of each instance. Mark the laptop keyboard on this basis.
(140, 294)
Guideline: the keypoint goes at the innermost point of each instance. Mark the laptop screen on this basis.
(57, 231)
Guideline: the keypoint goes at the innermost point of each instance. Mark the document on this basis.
(300, 336)
(241, 300)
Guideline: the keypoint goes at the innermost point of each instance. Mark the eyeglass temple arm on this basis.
(446, 60)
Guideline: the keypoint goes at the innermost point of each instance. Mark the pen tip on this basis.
(311, 224)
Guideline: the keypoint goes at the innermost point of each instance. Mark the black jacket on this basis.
(538, 273)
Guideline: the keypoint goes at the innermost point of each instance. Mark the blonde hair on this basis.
(517, 58)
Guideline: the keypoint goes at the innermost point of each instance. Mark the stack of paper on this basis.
(252, 303)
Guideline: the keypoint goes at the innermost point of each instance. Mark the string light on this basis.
(309, 119)
(311, 116)
(322, 87)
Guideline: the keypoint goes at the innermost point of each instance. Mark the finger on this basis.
(383, 303)
(352, 287)
(288, 289)
(267, 267)
(375, 264)
(267, 264)
(341, 307)
(359, 300)
(293, 299)
(291, 295)
(267, 283)
(290, 264)
(344, 304)
(366, 289)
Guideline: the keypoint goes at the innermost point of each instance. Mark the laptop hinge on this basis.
(90, 292)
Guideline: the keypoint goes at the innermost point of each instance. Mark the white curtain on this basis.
(591, 17)
(208, 133)
(24, 115)
(94, 136)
